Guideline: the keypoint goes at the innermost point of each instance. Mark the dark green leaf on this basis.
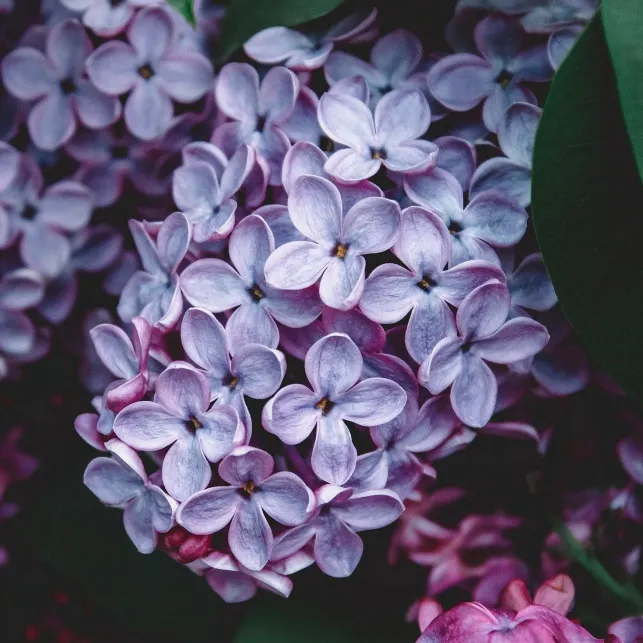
(623, 23)
(185, 8)
(244, 18)
(586, 199)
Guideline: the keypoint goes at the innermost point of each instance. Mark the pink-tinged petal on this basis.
(27, 74)
(346, 120)
(250, 323)
(66, 205)
(455, 284)
(397, 54)
(483, 310)
(209, 511)
(246, 464)
(342, 284)
(291, 415)
(367, 335)
(186, 76)
(86, 427)
(458, 157)
(185, 469)
(275, 44)
(112, 68)
(500, 99)
(369, 509)
(630, 452)
(333, 365)
(518, 339)
(302, 158)
(372, 401)
(148, 111)
(350, 166)
(284, 497)
(334, 455)
(250, 537)
(21, 289)
(151, 33)
(45, 250)
(338, 549)
(505, 176)
(204, 341)
(460, 81)
(260, 370)
(115, 350)
(531, 286)
(557, 594)
(292, 540)
(237, 91)
(112, 482)
(231, 586)
(128, 392)
(389, 294)
(514, 430)
(372, 225)
(437, 191)
(401, 116)
(183, 391)
(474, 391)
(431, 321)
(95, 109)
(213, 284)
(296, 265)
(147, 426)
(277, 94)
(439, 370)
(294, 309)
(628, 630)
(51, 122)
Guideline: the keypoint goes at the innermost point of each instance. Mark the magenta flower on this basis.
(253, 370)
(338, 242)
(217, 286)
(390, 136)
(340, 514)
(121, 481)
(154, 68)
(106, 17)
(333, 367)
(253, 490)
(462, 81)
(627, 630)
(425, 288)
(55, 80)
(179, 417)
(483, 335)
(257, 112)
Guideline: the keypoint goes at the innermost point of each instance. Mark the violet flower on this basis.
(333, 367)
(153, 68)
(425, 288)
(484, 335)
(216, 285)
(560, 44)
(55, 80)
(9, 165)
(17, 339)
(254, 489)
(462, 81)
(389, 136)
(627, 630)
(20, 289)
(340, 514)
(106, 18)
(548, 17)
(338, 242)
(511, 175)
(121, 481)
(179, 417)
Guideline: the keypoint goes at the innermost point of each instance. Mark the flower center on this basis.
(261, 123)
(326, 144)
(146, 71)
(193, 424)
(248, 488)
(340, 250)
(503, 78)
(67, 86)
(256, 293)
(426, 283)
(466, 347)
(455, 227)
(325, 405)
(29, 212)
(231, 381)
(378, 153)
(116, 3)
(120, 151)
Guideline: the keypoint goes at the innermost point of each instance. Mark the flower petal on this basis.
(246, 464)
(151, 32)
(389, 294)
(277, 94)
(483, 310)
(333, 364)
(112, 68)
(369, 509)
(183, 391)
(115, 350)
(274, 45)
(350, 166)
(401, 116)
(185, 469)
(284, 497)
(372, 225)
(531, 286)
(338, 549)
(442, 366)
(371, 402)
(456, 283)
(147, 426)
(250, 537)
(342, 284)
(505, 176)
(334, 456)
(518, 339)
(112, 482)
(260, 370)
(296, 265)
(302, 158)
(431, 321)
(209, 511)
(186, 76)
(291, 415)
(148, 111)
(237, 91)
(397, 54)
(346, 120)
(51, 122)
(251, 324)
(213, 284)
(204, 341)
(45, 250)
(27, 74)
(474, 391)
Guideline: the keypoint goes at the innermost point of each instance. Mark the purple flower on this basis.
(216, 285)
(280, 45)
(17, 339)
(153, 293)
(106, 17)
(529, 283)
(257, 112)
(153, 68)
(253, 490)
(461, 81)
(9, 165)
(180, 417)
(390, 136)
(20, 289)
(425, 289)
(551, 16)
(341, 513)
(121, 481)
(490, 220)
(484, 335)
(560, 44)
(333, 367)
(511, 175)
(338, 242)
(55, 80)
(253, 370)
(458, 157)
(627, 630)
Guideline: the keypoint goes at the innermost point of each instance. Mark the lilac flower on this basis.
(560, 44)
(9, 165)
(338, 242)
(253, 490)
(511, 175)
(257, 112)
(425, 289)
(180, 417)
(208, 203)
(121, 481)
(153, 68)
(20, 289)
(252, 370)
(280, 45)
(458, 157)
(461, 81)
(106, 17)
(154, 293)
(390, 136)
(55, 80)
(489, 220)
(333, 367)
(341, 513)
(17, 339)
(484, 335)
(627, 630)
(217, 286)
(549, 17)
(529, 283)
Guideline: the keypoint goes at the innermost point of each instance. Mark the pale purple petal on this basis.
(292, 541)
(333, 365)
(397, 54)
(291, 415)
(369, 336)
(151, 33)
(260, 370)
(204, 341)
(458, 157)
(431, 321)
(342, 284)
(250, 537)
(531, 286)
(27, 74)
(213, 284)
(483, 310)
(112, 68)
(21, 289)
(237, 91)
(369, 509)
(237, 170)
(275, 44)
(294, 309)
(338, 549)
(562, 371)
(532, 65)
(51, 122)
(560, 44)
(284, 497)
(95, 109)
(518, 339)
(401, 116)
(173, 240)
(246, 464)
(67, 48)
(115, 350)
(112, 482)
(302, 158)
(389, 294)
(277, 94)
(499, 101)
(346, 120)
(209, 511)
(147, 426)
(474, 391)
(334, 455)
(517, 132)
(45, 250)
(66, 205)
(341, 65)
(456, 283)
(372, 401)
(372, 225)
(250, 323)
(148, 111)
(185, 469)
(411, 157)
(505, 176)
(436, 190)
(183, 391)
(186, 76)
(443, 365)
(350, 166)
(296, 265)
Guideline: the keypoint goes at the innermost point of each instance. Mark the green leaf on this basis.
(185, 8)
(623, 23)
(586, 199)
(244, 18)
